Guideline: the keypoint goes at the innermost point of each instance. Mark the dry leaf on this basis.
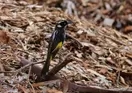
(128, 29)
(4, 38)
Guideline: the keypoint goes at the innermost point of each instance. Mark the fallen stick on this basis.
(25, 64)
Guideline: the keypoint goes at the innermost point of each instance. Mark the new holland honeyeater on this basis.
(55, 44)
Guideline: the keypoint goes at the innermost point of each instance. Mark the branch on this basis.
(58, 67)
(24, 62)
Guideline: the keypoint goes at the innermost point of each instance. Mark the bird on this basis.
(55, 43)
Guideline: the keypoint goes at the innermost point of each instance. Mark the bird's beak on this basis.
(69, 22)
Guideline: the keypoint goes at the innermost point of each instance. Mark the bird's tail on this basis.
(46, 66)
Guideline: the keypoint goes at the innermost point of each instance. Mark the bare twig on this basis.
(33, 90)
(58, 67)
(46, 83)
(118, 78)
(96, 89)
(17, 71)
(4, 83)
(29, 72)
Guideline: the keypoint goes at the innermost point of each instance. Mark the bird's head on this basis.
(63, 24)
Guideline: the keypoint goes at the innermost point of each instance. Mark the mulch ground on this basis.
(102, 55)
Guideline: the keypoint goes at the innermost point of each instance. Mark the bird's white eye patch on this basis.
(59, 26)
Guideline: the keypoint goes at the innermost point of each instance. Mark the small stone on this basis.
(108, 21)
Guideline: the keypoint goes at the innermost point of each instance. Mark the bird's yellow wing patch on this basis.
(58, 46)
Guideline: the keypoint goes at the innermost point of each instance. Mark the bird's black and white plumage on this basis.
(56, 41)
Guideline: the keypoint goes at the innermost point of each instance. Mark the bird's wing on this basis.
(58, 46)
(52, 42)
